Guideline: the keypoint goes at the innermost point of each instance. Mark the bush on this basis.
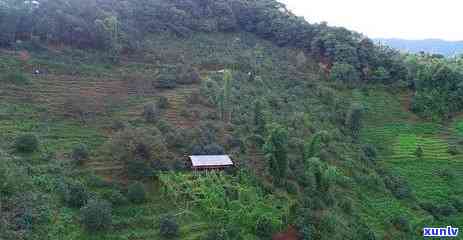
(166, 82)
(370, 152)
(401, 223)
(292, 187)
(163, 102)
(118, 125)
(210, 149)
(96, 215)
(75, 195)
(116, 198)
(419, 152)
(17, 78)
(27, 143)
(151, 113)
(264, 228)
(136, 193)
(138, 169)
(80, 153)
(346, 206)
(453, 150)
(189, 75)
(168, 226)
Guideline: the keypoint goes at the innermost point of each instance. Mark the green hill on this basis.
(318, 120)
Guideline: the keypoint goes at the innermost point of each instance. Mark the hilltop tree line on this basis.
(118, 26)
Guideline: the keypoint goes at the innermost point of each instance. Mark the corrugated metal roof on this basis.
(211, 160)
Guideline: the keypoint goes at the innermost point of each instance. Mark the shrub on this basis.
(80, 153)
(419, 152)
(346, 206)
(96, 215)
(213, 149)
(116, 198)
(166, 82)
(398, 187)
(453, 150)
(118, 125)
(136, 193)
(27, 143)
(151, 113)
(264, 228)
(75, 195)
(370, 152)
(328, 223)
(457, 203)
(138, 169)
(168, 226)
(292, 187)
(16, 77)
(401, 223)
(163, 102)
(345, 73)
(189, 75)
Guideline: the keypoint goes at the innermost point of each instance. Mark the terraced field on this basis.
(397, 133)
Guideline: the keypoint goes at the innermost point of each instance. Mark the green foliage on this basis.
(116, 198)
(225, 100)
(75, 194)
(439, 85)
(264, 228)
(276, 149)
(96, 215)
(168, 226)
(259, 119)
(80, 153)
(419, 152)
(229, 200)
(27, 143)
(163, 102)
(13, 177)
(136, 192)
(17, 78)
(354, 121)
(151, 113)
(345, 73)
(401, 223)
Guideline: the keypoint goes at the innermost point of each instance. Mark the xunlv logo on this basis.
(440, 232)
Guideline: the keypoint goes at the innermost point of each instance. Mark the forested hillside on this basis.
(333, 137)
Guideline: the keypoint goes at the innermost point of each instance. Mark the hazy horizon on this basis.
(410, 20)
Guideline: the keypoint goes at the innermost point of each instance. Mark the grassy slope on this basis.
(397, 133)
(37, 108)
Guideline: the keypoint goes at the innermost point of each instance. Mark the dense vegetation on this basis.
(317, 118)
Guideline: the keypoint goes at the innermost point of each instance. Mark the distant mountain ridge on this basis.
(437, 46)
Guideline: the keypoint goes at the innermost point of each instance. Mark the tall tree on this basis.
(259, 118)
(354, 121)
(276, 149)
(227, 88)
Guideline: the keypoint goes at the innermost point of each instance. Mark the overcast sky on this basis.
(409, 19)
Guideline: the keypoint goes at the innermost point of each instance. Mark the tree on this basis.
(151, 113)
(354, 121)
(75, 195)
(96, 215)
(136, 192)
(344, 72)
(276, 149)
(80, 153)
(27, 143)
(259, 118)
(381, 75)
(168, 226)
(227, 88)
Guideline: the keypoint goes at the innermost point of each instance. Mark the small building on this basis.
(210, 162)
